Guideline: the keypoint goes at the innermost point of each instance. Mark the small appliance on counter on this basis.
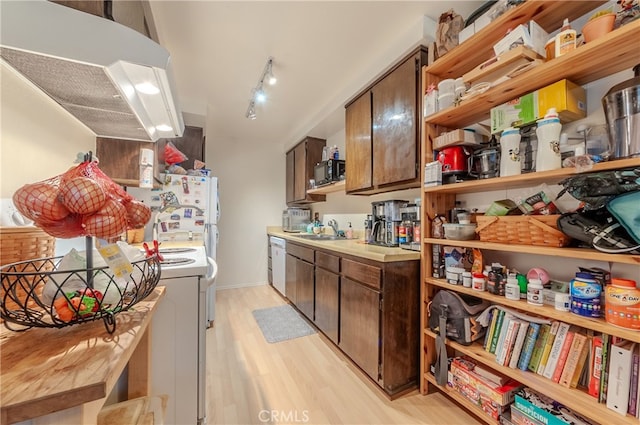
(410, 215)
(485, 163)
(622, 112)
(295, 219)
(329, 171)
(386, 222)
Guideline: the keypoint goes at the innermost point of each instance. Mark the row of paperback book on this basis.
(606, 367)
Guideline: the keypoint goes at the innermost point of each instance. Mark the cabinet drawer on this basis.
(364, 273)
(328, 261)
(301, 252)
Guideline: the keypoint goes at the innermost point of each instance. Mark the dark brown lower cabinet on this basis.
(360, 326)
(369, 309)
(327, 314)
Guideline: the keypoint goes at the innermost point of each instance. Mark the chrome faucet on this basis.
(334, 226)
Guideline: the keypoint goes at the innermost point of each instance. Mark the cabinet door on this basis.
(358, 143)
(327, 302)
(299, 168)
(305, 289)
(120, 159)
(290, 280)
(395, 136)
(360, 325)
(290, 196)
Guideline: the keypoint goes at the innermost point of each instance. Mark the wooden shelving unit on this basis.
(612, 53)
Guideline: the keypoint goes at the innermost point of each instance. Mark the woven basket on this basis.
(25, 243)
(540, 230)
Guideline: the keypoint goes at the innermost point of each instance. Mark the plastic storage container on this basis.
(585, 295)
(622, 304)
(460, 232)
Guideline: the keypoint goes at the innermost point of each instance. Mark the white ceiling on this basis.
(324, 53)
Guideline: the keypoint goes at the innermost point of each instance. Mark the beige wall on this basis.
(38, 138)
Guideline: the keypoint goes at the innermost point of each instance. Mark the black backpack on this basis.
(461, 312)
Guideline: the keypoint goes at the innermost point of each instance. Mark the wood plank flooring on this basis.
(304, 380)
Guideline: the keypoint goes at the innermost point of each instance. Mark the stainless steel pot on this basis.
(485, 163)
(622, 111)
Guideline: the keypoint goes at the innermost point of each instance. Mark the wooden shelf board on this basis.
(548, 14)
(581, 253)
(330, 188)
(527, 180)
(587, 63)
(599, 325)
(477, 411)
(575, 399)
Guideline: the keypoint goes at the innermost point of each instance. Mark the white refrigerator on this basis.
(184, 208)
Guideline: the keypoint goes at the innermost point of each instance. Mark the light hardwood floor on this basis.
(304, 380)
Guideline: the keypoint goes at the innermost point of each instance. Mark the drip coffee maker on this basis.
(386, 222)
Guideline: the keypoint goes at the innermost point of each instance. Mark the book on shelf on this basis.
(595, 366)
(575, 361)
(556, 349)
(538, 347)
(518, 344)
(604, 371)
(493, 313)
(546, 410)
(633, 392)
(547, 347)
(562, 360)
(621, 361)
(496, 331)
(504, 328)
(529, 344)
(506, 347)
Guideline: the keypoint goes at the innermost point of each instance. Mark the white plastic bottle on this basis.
(548, 155)
(510, 152)
(349, 232)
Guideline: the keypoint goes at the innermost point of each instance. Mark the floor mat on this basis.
(281, 323)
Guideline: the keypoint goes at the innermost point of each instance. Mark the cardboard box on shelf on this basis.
(457, 137)
(569, 99)
(467, 32)
(529, 34)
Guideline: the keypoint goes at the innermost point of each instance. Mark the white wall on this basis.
(38, 138)
(251, 178)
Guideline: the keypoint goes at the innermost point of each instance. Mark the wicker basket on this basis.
(21, 244)
(538, 230)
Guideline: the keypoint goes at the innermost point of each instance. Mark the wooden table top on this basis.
(44, 370)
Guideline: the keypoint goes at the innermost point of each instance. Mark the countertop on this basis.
(354, 247)
(46, 370)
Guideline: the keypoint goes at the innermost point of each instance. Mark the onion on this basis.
(138, 214)
(40, 201)
(82, 195)
(108, 223)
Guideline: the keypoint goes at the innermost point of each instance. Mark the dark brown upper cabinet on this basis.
(382, 131)
(300, 162)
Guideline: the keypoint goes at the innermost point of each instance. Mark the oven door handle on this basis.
(212, 272)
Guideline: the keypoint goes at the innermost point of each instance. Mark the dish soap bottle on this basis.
(349, 232)
(566, 39)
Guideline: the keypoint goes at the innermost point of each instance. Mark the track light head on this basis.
(257, 94)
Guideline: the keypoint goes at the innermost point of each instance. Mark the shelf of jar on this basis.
(575, 399)
(528, 179)
(330, 188)
(479, 47)
(473, 408)
(599, 325)
(589, 62)
(580, 253)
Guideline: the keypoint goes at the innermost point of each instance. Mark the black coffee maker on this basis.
(386, 218)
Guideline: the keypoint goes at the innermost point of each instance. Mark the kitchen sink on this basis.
(320, 237)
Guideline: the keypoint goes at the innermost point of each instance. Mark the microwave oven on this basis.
(329, 171)
(295, 219)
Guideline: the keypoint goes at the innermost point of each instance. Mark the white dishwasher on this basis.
(278, 255)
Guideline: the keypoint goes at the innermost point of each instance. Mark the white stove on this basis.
(178, 362)
(183, 261)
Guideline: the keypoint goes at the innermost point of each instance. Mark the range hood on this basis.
(110, 77)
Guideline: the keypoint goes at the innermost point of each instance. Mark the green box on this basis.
(569, 99)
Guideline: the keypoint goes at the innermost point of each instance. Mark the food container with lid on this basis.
(622, 304)
(460, 232)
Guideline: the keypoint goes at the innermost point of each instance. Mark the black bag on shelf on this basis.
(598, 229)
(596, 189)
(460, 312)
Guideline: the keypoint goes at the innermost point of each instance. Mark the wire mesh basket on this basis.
(34, 293)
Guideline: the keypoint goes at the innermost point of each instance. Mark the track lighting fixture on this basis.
(258, 94)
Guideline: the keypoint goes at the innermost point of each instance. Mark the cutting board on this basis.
(507, 65)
